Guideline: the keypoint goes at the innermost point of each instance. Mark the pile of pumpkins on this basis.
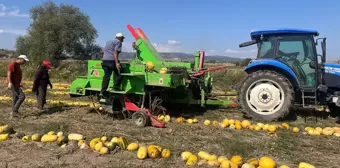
(102, 145)
(5, 131)
(165, 118)
(236, 161)
(327, 131)
(270, 128)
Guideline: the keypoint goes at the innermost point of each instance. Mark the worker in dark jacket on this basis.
(41, 81)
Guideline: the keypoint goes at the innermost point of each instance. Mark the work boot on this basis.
(14, 115)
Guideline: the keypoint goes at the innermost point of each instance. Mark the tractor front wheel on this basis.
(266, 96)
(140, 119)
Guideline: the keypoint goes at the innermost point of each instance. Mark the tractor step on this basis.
(118, 92)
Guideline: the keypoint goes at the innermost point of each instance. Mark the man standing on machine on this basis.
(111, 63)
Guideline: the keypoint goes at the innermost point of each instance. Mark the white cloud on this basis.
(1, 31)
(12, 11)
(171, 46)
(173, 42)
(241, 53)
(212, 52)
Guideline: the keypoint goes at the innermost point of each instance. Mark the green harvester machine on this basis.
(150, 84)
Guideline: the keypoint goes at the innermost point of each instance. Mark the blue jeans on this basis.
(18, 97)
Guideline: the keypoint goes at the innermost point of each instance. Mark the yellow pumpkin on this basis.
(247, 165)
(212, 157)
(213, 163)
(228, 164)
(93, 142)
(226, 122)
(328, 131)
(98, 146)
(237, 122)
(190, 121)
(222, 158)
(153, 152)
(166, 153)
(195, 121)
(232, 122)
(150, 65)
(207, 122)
(103, 150)
(272, 128)
(202, 162)
(257, 128)
(253, 161)
(318, 129)
(49, 138)
(251, 127)
(237, 160)
(180, 120)
(185, 155)
(156, 146)
(36, 137)
(238, 126)
(167, 118)
(305, 165)
(267, 162)
(103, 138)
(51, 133)
(26, 138)
(204, 155)
(132, 147)
(265, 127)
(295, 129)
(191, 160)
(285, 125)
(245, 123)
(142, 152)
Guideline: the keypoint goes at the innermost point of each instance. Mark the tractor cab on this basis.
(295, 49)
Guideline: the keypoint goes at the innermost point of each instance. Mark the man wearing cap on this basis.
(40, 83)
(14, 77)
(110, 62)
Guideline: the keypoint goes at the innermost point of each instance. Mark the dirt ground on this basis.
(287, 148)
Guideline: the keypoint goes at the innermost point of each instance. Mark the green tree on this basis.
(245, 62)
(58, 32)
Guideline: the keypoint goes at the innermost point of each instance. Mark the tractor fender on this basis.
(273, 65)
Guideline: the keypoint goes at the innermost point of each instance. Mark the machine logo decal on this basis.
(95, 73)
(161, 81)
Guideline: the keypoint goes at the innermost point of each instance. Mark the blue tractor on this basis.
(288, 73)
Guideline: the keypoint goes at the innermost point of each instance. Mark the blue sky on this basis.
(216, 26)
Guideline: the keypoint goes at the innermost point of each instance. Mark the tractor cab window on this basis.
(297, 52)
(266, 47)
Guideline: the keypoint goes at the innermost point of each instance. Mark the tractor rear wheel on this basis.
(266, 95)
(140, 119)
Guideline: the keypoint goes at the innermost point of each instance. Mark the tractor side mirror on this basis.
(312, 64)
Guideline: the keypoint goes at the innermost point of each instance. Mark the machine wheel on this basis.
(266, 95)
(140, 119)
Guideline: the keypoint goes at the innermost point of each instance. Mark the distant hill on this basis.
(184, 57)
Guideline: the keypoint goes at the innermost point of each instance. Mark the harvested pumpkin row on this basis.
(236, 161)
(55, 102)
(50, 92)
(270, 128)
(54, 83)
